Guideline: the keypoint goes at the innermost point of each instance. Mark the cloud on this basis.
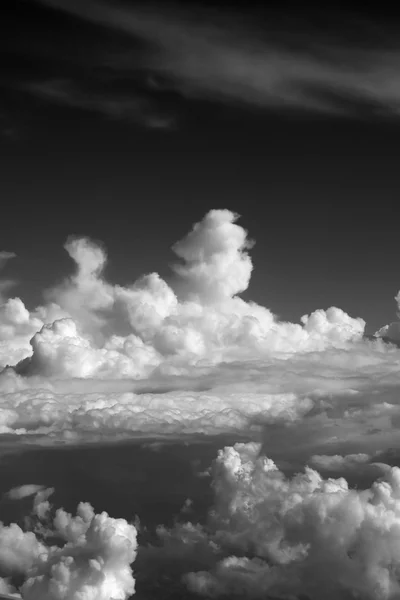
(23, 491)
(270, 535)
(190, 356)
(127, 107)
(359, 464)
(99, 361)
(5, 256)
(90, 328)
(391, 332)
(216, 265)
(17, 326)
(92, 559)
(224, 60)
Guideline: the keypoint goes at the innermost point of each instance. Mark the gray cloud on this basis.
(5, 256)
(209, 59)
(131, 107)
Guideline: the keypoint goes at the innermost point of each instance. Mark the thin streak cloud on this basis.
(230, 63)
(128, 108)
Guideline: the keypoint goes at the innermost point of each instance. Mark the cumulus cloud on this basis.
(270, 535)
(188, 356)
(104, 330)
(17, 326)
(91, 560)
(216, 266)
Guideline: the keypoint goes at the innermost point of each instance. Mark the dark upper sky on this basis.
(128, 126)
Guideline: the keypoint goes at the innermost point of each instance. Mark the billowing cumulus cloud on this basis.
(269, 535)
(187, 356)
(216, 266)
(91, 559)
(91, 328)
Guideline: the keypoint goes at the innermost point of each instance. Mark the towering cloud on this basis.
(216, 265)
(241, 365)
(91, 328)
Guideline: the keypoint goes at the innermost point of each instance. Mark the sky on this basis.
(108, 132)
(199, 301)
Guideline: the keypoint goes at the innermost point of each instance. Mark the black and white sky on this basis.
(199, 300)
(127, 122)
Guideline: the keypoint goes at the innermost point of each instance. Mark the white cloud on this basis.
(99, 359)
(91, 328)
(270, 535)
(91, 562)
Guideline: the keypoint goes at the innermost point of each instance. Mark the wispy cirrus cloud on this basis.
(203, 56)
(134, 108)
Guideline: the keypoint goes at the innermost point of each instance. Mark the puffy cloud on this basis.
(189, 356)
(216, 265)
(92, 560)
(108, 330)
(271, 535)
(17, 326)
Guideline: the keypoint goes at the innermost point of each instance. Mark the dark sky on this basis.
(103, 137)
